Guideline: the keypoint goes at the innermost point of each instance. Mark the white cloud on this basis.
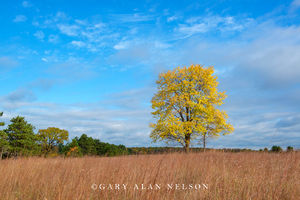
(137, 43)
(80, 22)
(17, 99)
(78, 44)
(60, 16)
(70, 30)
(193, 29)
(26, 4)
(132, 18)
(213, 23)
(269, 53)
(121, 45)
(295, 4)
(20, 18)
(172, 18)
(39, 35)
(98, 26)
(94, 33)
(161, 45)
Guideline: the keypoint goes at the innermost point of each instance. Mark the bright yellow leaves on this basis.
(185, 105)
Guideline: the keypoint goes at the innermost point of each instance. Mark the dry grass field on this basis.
(233, 176)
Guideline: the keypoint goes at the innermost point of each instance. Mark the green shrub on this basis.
(276, 149)
(289, 149)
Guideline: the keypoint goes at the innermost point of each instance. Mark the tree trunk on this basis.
(187, 144)
(1, 153)
(186, 148)
(204, 142)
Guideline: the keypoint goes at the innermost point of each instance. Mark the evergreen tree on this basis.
(3, 140)
(21, 137)
(87, 145)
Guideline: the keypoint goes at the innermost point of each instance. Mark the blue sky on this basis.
(90, 66)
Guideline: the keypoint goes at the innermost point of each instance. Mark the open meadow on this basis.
(209, 175)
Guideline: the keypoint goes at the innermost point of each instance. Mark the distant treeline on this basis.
(84, 145)
(154, 150)
(19, 139)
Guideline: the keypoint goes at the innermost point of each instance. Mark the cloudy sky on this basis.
(90, 66)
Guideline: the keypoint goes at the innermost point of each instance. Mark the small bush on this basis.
(276, 149)
(289, 149)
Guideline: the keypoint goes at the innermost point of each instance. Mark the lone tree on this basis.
(186, 106)
(51, 138)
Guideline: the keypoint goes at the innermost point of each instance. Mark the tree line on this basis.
(19, 139)
(158, 150)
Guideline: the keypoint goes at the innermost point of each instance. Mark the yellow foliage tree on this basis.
(185, 106)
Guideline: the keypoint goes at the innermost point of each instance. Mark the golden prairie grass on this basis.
(228, 176)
